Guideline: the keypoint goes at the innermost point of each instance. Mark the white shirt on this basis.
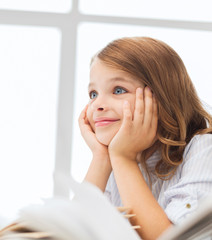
(192, 181)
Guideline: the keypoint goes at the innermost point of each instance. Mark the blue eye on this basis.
(119, 90)
(93, 94)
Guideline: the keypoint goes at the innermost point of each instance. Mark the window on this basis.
(189, 10)
(59, 6)
(29, 80)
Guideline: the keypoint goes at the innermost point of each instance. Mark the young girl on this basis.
(148, 132)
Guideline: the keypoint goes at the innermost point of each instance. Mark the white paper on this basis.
(88, 216)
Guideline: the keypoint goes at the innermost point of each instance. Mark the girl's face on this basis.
(108, 89)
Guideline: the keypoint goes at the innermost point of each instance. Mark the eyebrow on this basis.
(115, 79)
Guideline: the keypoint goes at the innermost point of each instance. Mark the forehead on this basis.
(100, 72)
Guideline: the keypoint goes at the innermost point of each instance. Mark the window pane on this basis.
(193, 10)
(29, 80)
(59, 6)
(194, 47)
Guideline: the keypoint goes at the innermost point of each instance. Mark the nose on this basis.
(100, 104)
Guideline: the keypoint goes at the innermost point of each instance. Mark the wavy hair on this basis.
(180, 111)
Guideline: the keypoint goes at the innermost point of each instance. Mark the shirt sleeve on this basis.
(194, 182)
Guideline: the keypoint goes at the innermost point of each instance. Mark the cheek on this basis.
(119, 106)
(132, 104)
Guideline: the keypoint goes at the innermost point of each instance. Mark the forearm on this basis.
(99, 172)
(136, 194)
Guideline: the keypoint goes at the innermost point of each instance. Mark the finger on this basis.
(139, 106)
(148, 112)
(154, 123)
(83, 121)
(127, 114)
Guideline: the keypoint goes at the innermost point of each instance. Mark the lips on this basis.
(102, 121)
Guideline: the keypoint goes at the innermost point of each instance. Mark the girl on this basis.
(148, 132)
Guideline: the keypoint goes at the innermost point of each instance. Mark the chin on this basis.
(104, 139)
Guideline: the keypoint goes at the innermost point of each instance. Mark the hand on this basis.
(100, 166)
(89, 136)
(138, 133)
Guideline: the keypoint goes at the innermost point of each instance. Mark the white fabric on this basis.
(192, 181)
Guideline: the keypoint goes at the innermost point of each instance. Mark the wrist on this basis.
(116, 156)
(101, 160)
(100, 156)
(120, 162)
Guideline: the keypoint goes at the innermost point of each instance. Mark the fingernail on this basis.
(140, 90)
(148, 89)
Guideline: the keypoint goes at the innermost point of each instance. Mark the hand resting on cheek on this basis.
(89, 135)
(138, 130)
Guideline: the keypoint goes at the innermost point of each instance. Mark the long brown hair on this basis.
(180, 111)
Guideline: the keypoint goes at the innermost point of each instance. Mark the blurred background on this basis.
(45, 52)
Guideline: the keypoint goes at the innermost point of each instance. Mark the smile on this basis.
(104, 122)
